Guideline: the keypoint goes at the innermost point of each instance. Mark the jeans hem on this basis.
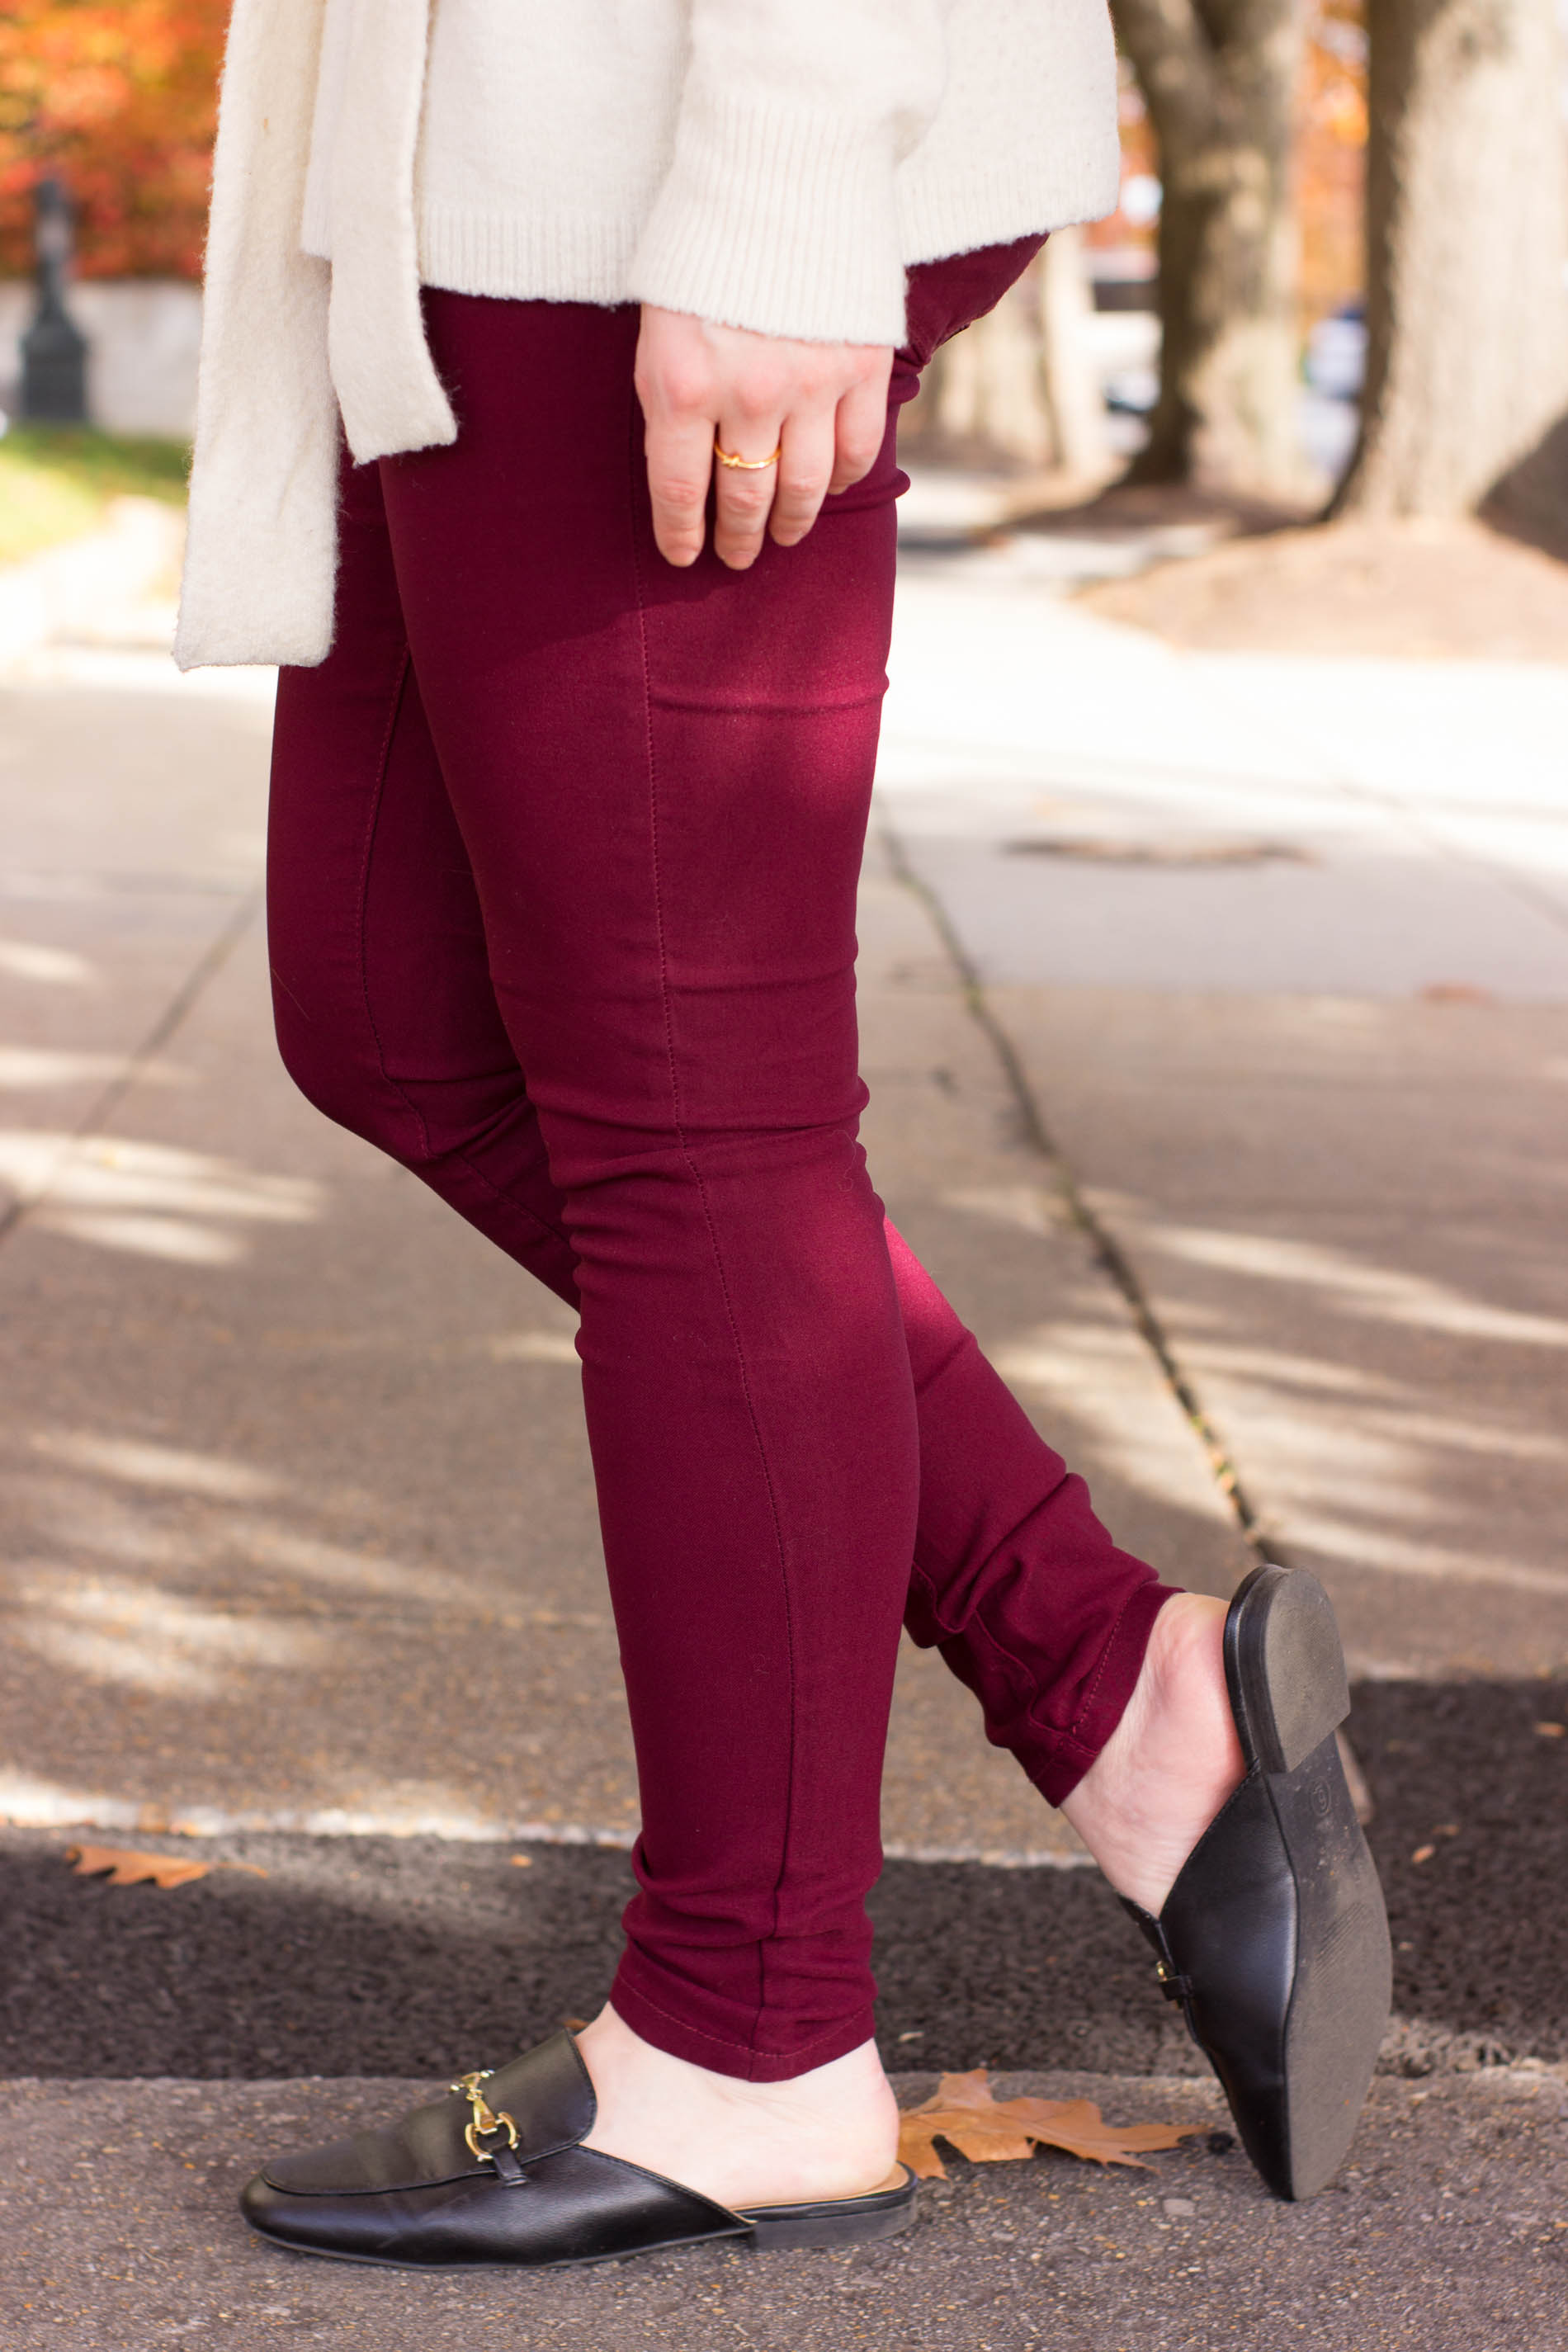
(741, 2060)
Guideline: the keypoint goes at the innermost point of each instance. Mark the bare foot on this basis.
(1172, 1761)
(833, 2132)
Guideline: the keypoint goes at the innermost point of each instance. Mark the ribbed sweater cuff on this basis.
(777, 219)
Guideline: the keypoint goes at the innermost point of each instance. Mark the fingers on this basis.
(744, 495)
(805, 466)
(860, 423)
(822, 407)
(679, 448)
(674, 379)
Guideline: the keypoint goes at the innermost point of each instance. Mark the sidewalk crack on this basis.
(1104, 1246)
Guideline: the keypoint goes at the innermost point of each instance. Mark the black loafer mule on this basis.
(1273, 1938)
(496, 2173)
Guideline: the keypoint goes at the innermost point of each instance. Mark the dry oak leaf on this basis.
(127, 1869)
(131, 1869)
(962, 2111)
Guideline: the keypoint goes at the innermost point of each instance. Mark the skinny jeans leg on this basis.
(563, 864)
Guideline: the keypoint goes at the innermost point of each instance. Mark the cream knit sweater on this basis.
(772, 164)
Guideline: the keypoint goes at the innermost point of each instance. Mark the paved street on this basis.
(1216, 1013)
(1445, 2231)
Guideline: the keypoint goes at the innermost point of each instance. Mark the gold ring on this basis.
(747, 465)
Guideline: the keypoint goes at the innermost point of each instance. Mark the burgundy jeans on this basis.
(564, 846)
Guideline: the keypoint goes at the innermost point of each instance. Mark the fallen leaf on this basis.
(127, 1869)
(576, 2024)
(1550, 1730)
(1424, 1853)
(988, 2130)
(521, 1861)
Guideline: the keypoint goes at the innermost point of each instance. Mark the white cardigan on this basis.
(772, 163)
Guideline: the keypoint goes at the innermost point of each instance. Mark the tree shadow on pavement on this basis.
(414, 1957)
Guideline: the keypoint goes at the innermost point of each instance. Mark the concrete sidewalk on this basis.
(298, 1479)
(1282, 951)
(1216, 1039)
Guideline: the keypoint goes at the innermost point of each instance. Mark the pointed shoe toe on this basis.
(496, 2175)
(266, 2209)
(1273, 1938)
(345, 2228)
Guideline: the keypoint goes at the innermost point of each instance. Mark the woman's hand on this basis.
(823, 407)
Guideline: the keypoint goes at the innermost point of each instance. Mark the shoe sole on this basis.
(783, 2228)
(778, 2229)
(1289, 1694)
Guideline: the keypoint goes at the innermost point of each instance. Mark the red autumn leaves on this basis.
(120, 100)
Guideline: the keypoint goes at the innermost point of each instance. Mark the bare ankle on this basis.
(1172, 1761)
(831, 2132)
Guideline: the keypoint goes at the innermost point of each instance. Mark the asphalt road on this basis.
(1443, 2233)
(405, 1957)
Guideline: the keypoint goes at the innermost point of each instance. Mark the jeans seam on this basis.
(755, 707)
(938, 1372)
(514, 1200)
(1087, 1700)
(697, 1178)
(508, 1193)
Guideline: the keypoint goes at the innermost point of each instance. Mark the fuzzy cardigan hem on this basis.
(807, 152)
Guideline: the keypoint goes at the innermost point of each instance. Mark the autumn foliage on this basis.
(121, 100)
(965, 2112)
(1331, 155)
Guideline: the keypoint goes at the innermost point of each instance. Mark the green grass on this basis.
(56, 481)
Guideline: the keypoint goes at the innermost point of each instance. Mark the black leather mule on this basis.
(494, 2173)
(1273, 1938)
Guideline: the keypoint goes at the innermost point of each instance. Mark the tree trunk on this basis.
(1467, 238)
(1073, 396)
(987, 389)
(1219, 80)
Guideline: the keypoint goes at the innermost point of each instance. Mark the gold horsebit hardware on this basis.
(485, 2121)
